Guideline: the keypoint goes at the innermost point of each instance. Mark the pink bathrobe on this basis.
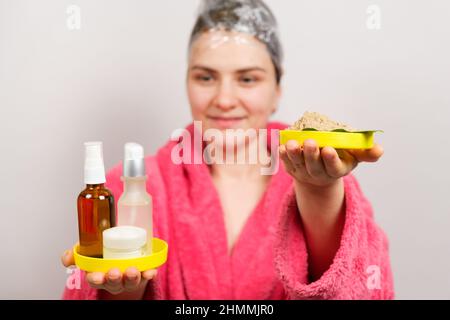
(269, 259)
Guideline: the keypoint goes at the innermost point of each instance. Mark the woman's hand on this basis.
(114, 281)
(316, 167)
(319, 191)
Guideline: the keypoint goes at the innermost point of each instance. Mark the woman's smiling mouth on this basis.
(223, 122)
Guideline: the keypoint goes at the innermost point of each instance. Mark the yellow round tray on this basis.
(156, 259)
(337, 140)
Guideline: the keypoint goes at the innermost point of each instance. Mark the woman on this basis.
(305, 232)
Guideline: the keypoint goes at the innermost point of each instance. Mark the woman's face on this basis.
(231, 81)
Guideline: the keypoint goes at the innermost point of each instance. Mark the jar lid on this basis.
(124, 237)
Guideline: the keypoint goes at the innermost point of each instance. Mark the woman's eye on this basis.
(248, 80)
(204, 78)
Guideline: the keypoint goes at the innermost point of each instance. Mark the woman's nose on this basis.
(226, 96)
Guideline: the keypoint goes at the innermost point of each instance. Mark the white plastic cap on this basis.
(133, 162)
(124, 238)
(133, 151)
(94, 168)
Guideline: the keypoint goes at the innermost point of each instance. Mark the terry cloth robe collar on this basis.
(199, 220)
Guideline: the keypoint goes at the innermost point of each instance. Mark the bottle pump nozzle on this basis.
(133, 163)
(94, 168)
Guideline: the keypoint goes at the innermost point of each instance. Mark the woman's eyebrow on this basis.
(248, 69)
(251, 69)
(199, 67)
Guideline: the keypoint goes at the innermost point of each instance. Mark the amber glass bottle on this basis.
(95, 203)
(95, 214)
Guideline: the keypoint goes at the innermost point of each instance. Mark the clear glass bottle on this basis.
(135, 204)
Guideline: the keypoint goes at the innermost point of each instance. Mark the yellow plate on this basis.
(337, 140)
(156, 259)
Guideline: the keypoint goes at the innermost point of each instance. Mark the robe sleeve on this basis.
(83, 291)
(361, 267)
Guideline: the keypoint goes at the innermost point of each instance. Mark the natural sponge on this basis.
(319, 122)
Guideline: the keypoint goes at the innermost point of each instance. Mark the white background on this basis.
(121, 78)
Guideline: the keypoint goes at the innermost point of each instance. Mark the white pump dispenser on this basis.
(94, 168)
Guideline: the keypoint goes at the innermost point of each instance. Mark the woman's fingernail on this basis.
(97, 278)
(310, 145)
(292, 144)
(150, 274)
(114, 274)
